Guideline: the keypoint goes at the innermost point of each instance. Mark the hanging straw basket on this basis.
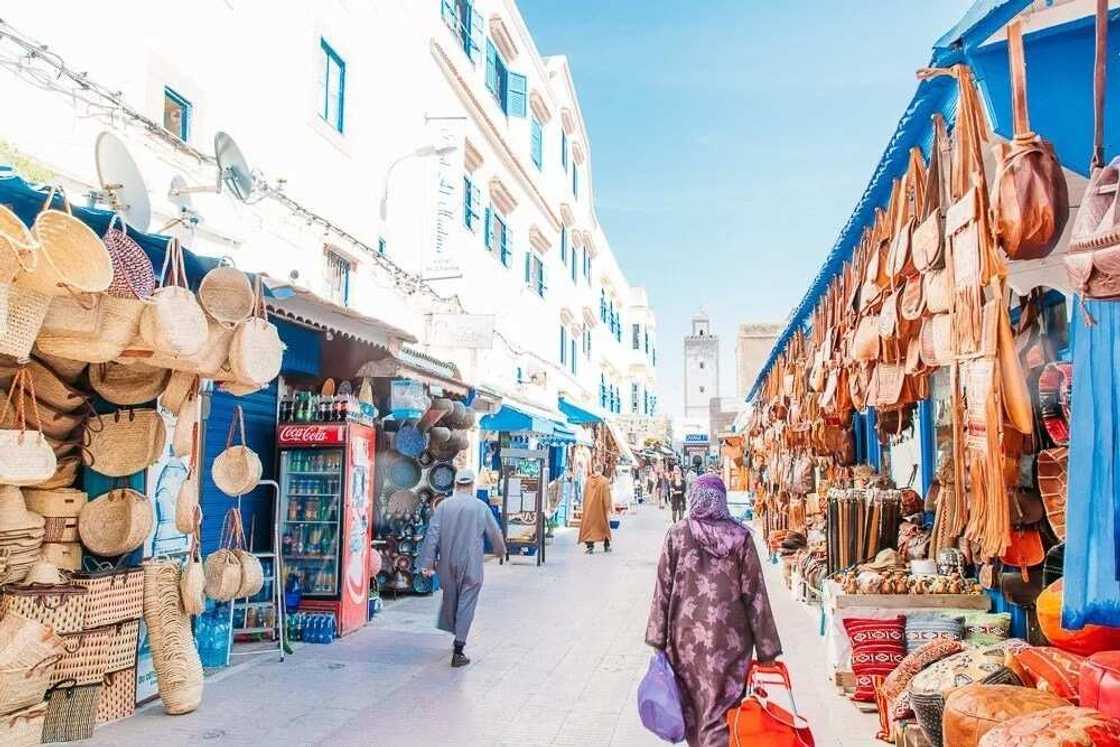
(227, 295)
(178, 668)
(132, 384)
(67, 369)
(187, 511)
(192, 581)
(117, 323)
(71, 258)
(26, 457)
(252, 574)
(22, 311)
(256, 352)
(116, 523)
(185, 436)
(223, 575)
(17, 246)
(181, 388)
(173, 323)
(237, 470)
(51, 422)
(56, 503)
(133, 275)
(125, 442)
(65, 474)
(24, 728)
(50, 388)
(208, 362)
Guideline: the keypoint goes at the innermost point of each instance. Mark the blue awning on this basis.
(511, 420)
(563, 434)
(577, 415)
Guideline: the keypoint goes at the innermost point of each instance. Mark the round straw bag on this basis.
(186, 502)
(252, 574)
(65, 474)
(223, 566)
(255, 352)
(131, 384)
(17, 246)
(67, 369)
(226, 295)
(174, 656)
(186, 429)
(116, 523)
(210, 359)
(173, 323)
(125, 442)
(192, 581)
(71, 257)
(50, 388)
(181, 388)
(22, 311)
(26, 457)
(237, 470)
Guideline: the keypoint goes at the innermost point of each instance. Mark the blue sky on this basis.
(731, 139)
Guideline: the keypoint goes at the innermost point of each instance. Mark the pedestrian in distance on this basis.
(595, 523)
(662, 488)
(677, 491)
(710, 613)
(453, 549)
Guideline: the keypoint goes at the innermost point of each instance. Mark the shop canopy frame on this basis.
(520, 419)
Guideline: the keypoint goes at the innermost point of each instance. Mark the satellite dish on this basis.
(233, 169)
(123, 188)
(180, 197)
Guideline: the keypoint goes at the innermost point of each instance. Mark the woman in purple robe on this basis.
(710, 613)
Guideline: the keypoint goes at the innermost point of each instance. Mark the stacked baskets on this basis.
(29, 654)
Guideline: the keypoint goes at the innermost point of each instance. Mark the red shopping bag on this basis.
(758, 721)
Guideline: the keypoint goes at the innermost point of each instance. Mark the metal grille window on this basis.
(466, 23)
(636, 337)
(337, 272)
(332, 86)
(176, 115)
(472, 204)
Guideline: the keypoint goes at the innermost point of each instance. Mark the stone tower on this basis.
(701, 369)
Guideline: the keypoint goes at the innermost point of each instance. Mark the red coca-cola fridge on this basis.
(326, 513)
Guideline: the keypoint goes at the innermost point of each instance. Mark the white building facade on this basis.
(444, 165)
(701, 371)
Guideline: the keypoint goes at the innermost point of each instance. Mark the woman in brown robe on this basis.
(595, 523)
(710, 612)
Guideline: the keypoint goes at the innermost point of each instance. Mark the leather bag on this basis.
(927, 244)
(1099, 684)
(759, 721)
(1030, 201)
(912, 303)
(973, 710)
(1053, 465)
(1024, 551)
(865, 343)
(936, 290)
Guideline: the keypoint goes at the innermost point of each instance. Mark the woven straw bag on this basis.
(65, 474)
(50, 388)
(237, 470)
(186, 501)
(18, 247)
(256, 352)
(26, 457)
(67, 369)
(185, 436)
(25, 686)
(116, 523)
(86, 658)
(173, 323)
(192, 581)
(51, 422)
(66, 555)
(209, 362)
(116, 325)
(61, 608)
(59, 529)
(125, 442)
(116, 594)
(56, 503)
(22, 311)
(226, 295)
(24, 728)
(120, 652)
(252, 574)
(71, 712)
(223, 566)
(128, 384)
(174, 656)
(118, 696)
(25, 642)
(71, 257)
(181, 388)
(133, 275)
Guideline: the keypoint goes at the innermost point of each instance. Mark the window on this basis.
(654, 354)
(176, 115)
(564, 149)
(536, 142)
(332, 86)
(563, 345)
(575, 181)
(701, 389)
(587, 265)
(575, 272)
(701, 365)
(637, 337)
(472, 203)
(647, 342)
(602, 305)
(461, 17)
(572, 354)
(564, 245)
(509, 89)
(536, 276)
(337, 272)
(497, 235)
(587, 342)
(602, 390)
(380, 244)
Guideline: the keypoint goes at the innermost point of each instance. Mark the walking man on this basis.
(455, 537)
(595, 522)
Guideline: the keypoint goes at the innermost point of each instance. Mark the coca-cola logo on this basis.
(308, 434)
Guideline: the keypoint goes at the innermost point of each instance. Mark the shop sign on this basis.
(696, 438)
(442, 263)
(469, 331)
(310, 435)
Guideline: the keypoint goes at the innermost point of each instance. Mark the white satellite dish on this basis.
(233, 173)
(181, 198)
(122, 186)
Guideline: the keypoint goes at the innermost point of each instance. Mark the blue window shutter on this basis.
(492, 68)
(563, 149)
(535, 142)
(447, 10)
(572, 353)
(575, 181)
(516, 94)
(475, 44)
(564, 244)
(575, 272)
(563, 345)
(544, 279)
(488, 235)
(504, 243)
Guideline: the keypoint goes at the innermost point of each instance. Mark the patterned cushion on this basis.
(897, 681)
(1052, 670)
(878, 646)
(1060, 727)
(973, 710)
(925, 627)
(985, 629)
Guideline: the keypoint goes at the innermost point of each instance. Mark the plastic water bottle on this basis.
(331, 628)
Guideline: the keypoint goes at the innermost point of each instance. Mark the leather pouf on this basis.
(1069, 727)
(1050, 669)
(971, 711)
(1099, 683)
(1087, 641)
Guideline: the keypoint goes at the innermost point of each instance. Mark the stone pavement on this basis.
(558, 652)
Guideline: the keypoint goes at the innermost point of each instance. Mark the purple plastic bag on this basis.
(659, 700)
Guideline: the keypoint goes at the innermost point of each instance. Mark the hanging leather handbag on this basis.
(1030, 201)
(759, 721)
(1016, 397)
(927, 243)
(1053, 382)
(912, 304)
(1024, 551)
(1053, 465)
(865, 343)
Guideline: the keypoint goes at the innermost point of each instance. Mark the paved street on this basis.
(557, 653)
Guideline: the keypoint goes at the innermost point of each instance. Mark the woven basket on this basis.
(226, 295)
(67, 369)
(60, 529)
(71, 713)
(18, 249)
(67, 556)
(70, 316)
(174, 656)
(25, 642)
(118, 696)
(186, 502)
(23, 728)
(237, 470)
(252, 574)
(208, 362)
(181, 388)
(132, 384)
(51, 422)
(65, 474)
(185, 435)
(22, 311)
(116, 523)
(120, 651)
(133, 274)
(61, 608)
(57, 503)
(22, 687)
(192, 586)
(115, 595)
(124, 443)
(255, 352)
(71, 257)
(86, 659)
(117, 324)
(173, 323)
(50, 388)
(223, 575)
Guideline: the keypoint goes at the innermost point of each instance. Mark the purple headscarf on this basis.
(711, 523)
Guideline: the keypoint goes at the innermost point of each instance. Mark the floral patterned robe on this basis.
(711, 615)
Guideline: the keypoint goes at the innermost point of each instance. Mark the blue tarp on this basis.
(576, 415)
